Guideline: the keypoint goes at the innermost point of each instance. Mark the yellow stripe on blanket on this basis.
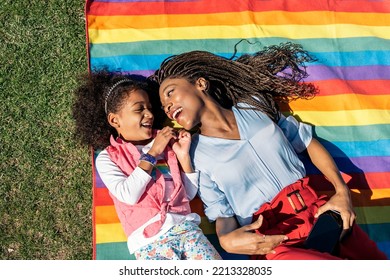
(291, 31)
(344, 118)
(113, 232)
(374, 194)
(106, 233)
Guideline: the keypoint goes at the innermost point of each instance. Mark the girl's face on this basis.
(182, 101)
(134, 121)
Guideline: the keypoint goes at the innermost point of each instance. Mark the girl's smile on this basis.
(134, 121)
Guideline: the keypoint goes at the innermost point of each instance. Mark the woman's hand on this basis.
(340, 202)
(245, 241)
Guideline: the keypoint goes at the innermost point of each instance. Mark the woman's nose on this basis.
(167, 108)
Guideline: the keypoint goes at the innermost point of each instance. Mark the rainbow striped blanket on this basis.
(350, 39)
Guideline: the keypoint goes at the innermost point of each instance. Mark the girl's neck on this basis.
(137, 143)
(219, 122)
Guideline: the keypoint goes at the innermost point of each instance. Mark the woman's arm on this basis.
(300, 136)
(341, 201)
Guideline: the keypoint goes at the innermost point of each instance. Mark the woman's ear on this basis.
(202, 83)
(113, 120)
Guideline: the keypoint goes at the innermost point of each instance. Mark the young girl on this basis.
(139, 167)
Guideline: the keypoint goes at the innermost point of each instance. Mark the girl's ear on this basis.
(113, 120)
(202, 83)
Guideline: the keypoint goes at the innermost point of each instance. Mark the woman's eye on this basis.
(169, 93)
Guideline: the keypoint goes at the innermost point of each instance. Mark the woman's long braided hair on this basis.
(261, 80)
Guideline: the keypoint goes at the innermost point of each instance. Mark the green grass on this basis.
(45, 176)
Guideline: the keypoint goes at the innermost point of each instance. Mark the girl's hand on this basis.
(161, 141)
(341, 202)
(245, 241)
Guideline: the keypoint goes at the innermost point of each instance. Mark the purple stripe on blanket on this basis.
(373, 72)
(319, 73)
(355, 164)
(145, 73)
(98, 181)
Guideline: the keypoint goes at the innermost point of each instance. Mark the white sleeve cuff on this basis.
(191, 183)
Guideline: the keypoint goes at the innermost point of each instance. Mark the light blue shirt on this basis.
(238, 176)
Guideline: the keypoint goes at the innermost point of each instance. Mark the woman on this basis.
(252, 182)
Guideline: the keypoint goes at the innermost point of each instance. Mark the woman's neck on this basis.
(219, 122)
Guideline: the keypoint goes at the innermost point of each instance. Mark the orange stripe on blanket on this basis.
(237, 18)
(339, 102)
(106, 215)
(363, 198)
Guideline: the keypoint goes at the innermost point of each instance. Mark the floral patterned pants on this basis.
(184, 241)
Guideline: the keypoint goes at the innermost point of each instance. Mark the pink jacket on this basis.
(126, 156)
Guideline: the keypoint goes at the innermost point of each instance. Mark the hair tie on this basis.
(112, 89)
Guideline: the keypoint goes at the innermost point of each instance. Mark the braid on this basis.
(272, 75)
(91, 124)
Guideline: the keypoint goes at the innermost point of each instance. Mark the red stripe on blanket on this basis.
(363, 181)
(202, 7)
(368, 87)
(103, 198)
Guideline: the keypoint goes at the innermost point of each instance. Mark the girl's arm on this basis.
(127, 189)
(181, 147)
(191, 183)
(341, 201)
(190, 177)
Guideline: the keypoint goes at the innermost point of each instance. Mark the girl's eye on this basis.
(169, 93)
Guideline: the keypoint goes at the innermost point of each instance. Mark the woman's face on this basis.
(182, 101)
